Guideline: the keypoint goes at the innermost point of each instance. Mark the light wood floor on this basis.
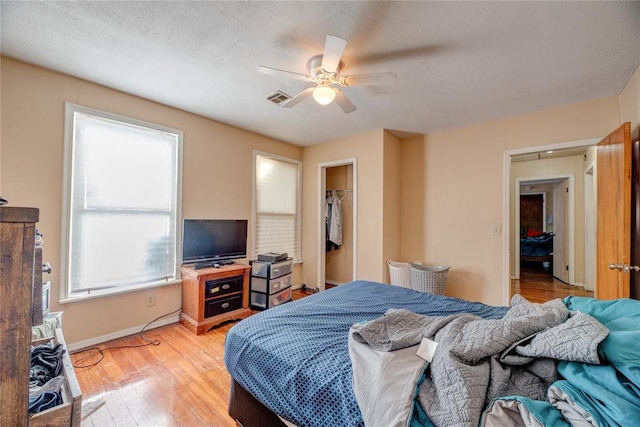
(183, 380)
(538, 285)
(180, 382)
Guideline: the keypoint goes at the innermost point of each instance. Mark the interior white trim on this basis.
(70, 109)
(590, 221)
(506, 200)
(322, 187)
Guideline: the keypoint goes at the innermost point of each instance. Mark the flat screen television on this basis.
(213, 240)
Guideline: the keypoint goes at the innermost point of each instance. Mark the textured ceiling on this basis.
(457, 63)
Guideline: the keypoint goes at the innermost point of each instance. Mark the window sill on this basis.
(93, 294)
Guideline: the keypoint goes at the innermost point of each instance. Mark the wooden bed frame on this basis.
(536, 258)
(248, 411)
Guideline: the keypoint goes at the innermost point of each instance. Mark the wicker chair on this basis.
(399, 273)
(428, 278)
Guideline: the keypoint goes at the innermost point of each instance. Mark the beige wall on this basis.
(217, 174)
(630, 104)
(412, 212)
(392, 180)
(463, 189)
(368, 151)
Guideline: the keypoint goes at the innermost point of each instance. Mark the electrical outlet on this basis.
(496, 230)
(151, 299)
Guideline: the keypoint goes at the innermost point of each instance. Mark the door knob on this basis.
(624, 267)
(627, 268)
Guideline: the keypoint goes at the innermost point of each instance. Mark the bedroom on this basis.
(420, 204)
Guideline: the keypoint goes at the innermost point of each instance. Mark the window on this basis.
(277, 205)
(122, 203)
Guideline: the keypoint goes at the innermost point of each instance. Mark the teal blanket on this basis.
(607, 394)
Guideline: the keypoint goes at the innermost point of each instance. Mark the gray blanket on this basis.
(477, 360)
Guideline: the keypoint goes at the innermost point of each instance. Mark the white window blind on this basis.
(122, 203)
(277, 205)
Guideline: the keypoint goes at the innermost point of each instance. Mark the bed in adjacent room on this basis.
(536, 246)
(338, 357)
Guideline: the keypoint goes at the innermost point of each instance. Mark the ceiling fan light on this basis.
(323, 95)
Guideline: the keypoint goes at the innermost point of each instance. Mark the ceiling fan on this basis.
(325, 72)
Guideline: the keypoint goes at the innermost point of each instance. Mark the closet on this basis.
(339, 196)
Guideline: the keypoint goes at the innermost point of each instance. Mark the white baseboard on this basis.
(123, 333)
(333, 282)
(582, 285)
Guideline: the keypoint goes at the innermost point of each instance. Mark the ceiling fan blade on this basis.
(344, 102)
(298, 98)
(373, 79)
(333, 48)
(276, 72)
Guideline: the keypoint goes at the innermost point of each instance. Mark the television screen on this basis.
(213, 239)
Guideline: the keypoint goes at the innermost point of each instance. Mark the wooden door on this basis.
(614, 214)
(531, 216)
(560, 194)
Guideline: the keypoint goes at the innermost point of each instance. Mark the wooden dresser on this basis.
(17, 249)
(211, 296)
(18, 310)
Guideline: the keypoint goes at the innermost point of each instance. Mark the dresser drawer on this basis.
(69, 412)
(264, 301)
(222, 305)
(272, 286)
(274, 270)
(218, 287)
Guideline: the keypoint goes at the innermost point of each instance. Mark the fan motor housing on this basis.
(320, 76)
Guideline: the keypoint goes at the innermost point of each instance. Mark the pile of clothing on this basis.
(333, 220)
(45, 379)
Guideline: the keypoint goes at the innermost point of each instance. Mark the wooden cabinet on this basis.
(17, 244)
(20, 306)
(211, 296)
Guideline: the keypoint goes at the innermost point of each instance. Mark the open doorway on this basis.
(544, 224)
(536, 241)
(337, 206)
(541, 168)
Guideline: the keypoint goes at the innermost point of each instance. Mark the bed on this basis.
(299, 363)
(536, 247)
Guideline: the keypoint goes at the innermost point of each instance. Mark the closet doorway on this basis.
(337, 210)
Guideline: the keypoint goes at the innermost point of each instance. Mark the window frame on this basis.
(254, 207)
(65, 294)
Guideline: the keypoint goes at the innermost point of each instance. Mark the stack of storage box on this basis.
(270, 283)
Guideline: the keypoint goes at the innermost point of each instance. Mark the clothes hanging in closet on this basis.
(333, 219)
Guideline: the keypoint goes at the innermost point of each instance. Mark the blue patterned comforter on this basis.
(294, 357)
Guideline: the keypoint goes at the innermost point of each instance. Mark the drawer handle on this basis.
(225, 287)
(225, 305)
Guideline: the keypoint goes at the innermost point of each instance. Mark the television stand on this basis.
(212, 296)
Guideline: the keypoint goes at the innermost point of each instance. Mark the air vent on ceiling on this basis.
(278, 97)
